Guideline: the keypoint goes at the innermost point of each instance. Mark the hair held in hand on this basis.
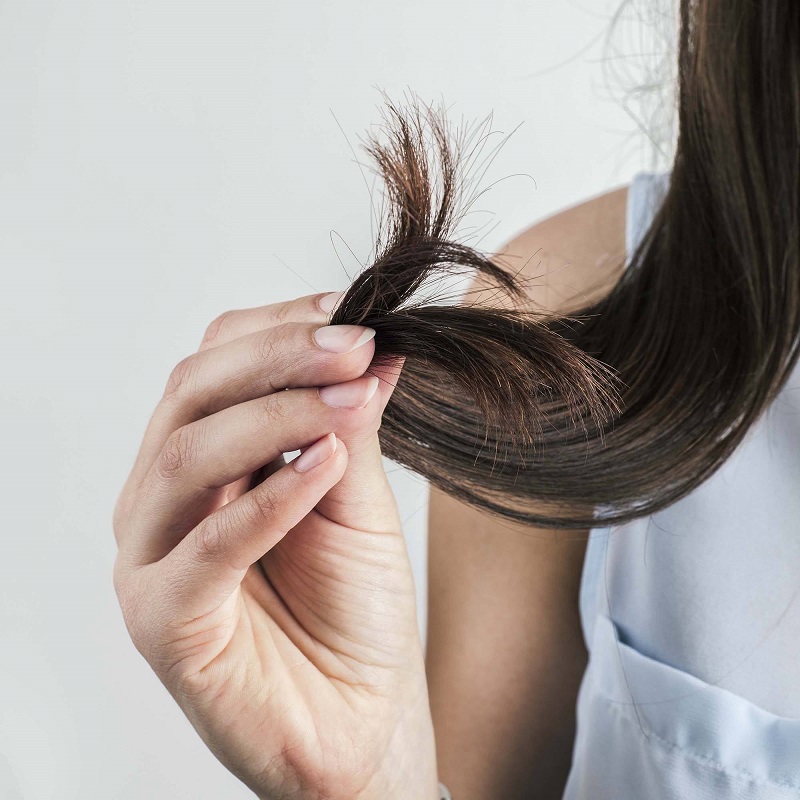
(628, 404)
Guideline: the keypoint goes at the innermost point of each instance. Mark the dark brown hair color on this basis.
(625, 406)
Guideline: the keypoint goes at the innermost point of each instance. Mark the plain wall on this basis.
(162, 162)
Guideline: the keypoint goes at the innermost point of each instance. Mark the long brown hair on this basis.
(625, 406)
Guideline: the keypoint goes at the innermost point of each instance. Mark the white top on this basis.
(692, 620)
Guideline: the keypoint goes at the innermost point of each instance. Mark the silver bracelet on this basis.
(444, 792)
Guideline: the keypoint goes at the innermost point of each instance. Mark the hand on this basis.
(278, 606)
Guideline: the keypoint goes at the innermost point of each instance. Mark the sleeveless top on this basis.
(691, 617)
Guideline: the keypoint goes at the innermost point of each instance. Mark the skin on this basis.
(282, 617)
(505, 651)
(278, 607)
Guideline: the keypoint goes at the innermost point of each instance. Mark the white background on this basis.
(158, 163)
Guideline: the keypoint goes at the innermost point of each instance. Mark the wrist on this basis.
(408, 770)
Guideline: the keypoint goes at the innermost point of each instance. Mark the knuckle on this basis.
(119, 578)
(210, 537)
(118, 519)
(283, 312)
(269, 344)
(216, 328)
(132, 604)
(274, 410)
(265, 502)
(180, 377)
(178, 453)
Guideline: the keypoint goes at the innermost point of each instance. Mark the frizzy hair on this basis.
(625, 406)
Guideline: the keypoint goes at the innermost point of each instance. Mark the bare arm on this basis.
(505, 653)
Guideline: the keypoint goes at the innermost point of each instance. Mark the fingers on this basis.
(206, 567)
(363, 498)
(289, 355)
(254, 365)
(181, 488)
(225, 328)
(241, 321)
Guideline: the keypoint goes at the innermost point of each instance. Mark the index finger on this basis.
(239, 322)
(222, 330)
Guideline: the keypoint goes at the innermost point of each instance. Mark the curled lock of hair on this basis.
(625, 406)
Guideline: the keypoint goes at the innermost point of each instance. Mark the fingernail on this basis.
(350, 394)
(328, 302)
(342, 338)
(320, 451)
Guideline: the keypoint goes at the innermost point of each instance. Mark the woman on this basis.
(280, 612)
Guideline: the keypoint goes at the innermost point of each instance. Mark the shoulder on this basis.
(568, 259)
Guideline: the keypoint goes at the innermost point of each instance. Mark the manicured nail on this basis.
(328, 302)
(342, 338)
(350, 394)
(320, 451)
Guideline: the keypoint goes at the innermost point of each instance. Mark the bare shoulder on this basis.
(570, 258)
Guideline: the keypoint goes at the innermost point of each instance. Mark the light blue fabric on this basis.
(692, 621)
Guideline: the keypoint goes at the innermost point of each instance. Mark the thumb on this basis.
(208, 564)
(363, 498)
